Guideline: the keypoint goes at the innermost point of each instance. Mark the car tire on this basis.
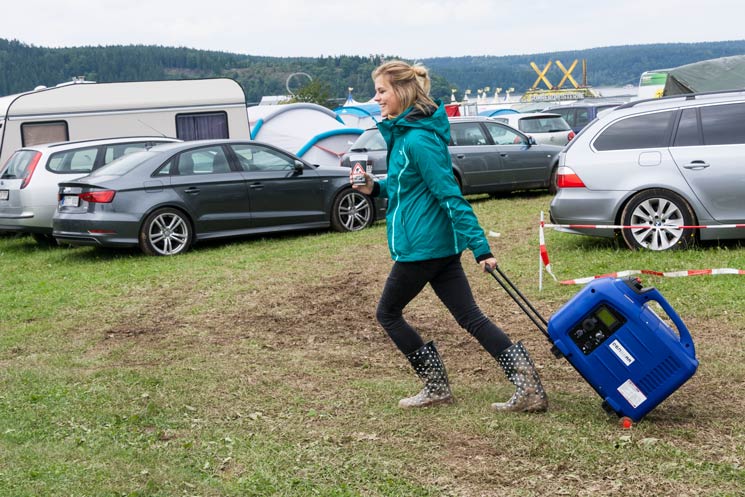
(44, 240)
(166, 231)
(352, 211)
(655, 208)
(552, 186)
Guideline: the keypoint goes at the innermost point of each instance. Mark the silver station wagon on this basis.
(660, 170)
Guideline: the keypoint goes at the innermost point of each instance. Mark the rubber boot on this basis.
(519, 368)
(428, 366)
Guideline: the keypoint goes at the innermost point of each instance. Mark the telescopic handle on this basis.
(519, 299)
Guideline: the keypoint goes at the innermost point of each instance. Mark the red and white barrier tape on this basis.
(667, 274)
(621, 274)
(642, 226)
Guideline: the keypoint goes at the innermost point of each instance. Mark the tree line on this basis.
(24, 67)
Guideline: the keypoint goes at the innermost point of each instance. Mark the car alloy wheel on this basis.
(165, 232)
(656, 210)
(352, 211)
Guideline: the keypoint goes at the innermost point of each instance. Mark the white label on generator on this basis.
(621, 352)
(631, 393)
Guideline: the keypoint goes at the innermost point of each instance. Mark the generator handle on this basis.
(684, 335)
(519, 299)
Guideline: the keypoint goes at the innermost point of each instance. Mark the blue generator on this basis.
(631, 357)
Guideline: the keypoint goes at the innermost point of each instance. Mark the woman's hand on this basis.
(367, 188)
(491, 262)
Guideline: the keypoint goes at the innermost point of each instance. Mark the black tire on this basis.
(352, 211)
(44, 240)
(655, 208)
(166, 231)
(552, 187)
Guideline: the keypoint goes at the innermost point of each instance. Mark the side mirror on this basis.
(299, 166)
(531, 141)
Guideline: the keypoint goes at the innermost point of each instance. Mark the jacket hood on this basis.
(436, 120)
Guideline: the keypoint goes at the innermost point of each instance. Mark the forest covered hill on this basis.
(23, 67)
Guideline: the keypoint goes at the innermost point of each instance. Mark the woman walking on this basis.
(429, 225)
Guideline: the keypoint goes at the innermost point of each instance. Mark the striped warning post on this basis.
(544, 255)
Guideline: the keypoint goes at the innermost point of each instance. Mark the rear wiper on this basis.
(363, 149)
(8, 176)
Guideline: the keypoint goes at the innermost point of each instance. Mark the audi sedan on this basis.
(167, 198)
(487, 157)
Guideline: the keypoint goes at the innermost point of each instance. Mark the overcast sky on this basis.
(405, 28)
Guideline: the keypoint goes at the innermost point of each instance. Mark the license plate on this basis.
(4, 194)
(70, 201)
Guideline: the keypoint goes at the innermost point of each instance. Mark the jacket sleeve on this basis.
(432, 158)
(380, 188)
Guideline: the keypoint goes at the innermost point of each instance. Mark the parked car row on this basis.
(661, 166)
(165, 197)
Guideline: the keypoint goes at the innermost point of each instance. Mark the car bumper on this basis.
(578, 206)
(103, 233)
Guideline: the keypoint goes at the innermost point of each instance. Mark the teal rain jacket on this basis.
(427, 215)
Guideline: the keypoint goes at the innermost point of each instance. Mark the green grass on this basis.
(255, 367)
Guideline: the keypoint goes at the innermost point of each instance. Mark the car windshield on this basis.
(122, 165)
(369, 141)
(543, 124)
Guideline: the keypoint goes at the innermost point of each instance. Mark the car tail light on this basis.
(30, 169)
(98, 197)
(571, 135)
(566, 178)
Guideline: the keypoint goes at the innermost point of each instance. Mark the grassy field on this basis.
(255, 367)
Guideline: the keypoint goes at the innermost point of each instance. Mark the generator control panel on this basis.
(595, 328)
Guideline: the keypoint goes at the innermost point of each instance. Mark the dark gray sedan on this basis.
(165, 199)
(487, 156)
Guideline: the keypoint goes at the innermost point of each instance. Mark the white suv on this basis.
(660, 168)
(28, 181)
(544, 127)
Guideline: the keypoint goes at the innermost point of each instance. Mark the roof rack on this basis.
(685, 96)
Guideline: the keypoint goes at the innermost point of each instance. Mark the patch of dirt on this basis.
(329, 325)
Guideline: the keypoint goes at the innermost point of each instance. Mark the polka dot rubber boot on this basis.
(428, 366)
(529, 394)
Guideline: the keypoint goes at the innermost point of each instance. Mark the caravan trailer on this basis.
(185, 109)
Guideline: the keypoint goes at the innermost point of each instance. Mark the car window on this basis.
(18, 163)
(466, 134)
(112, 152)
(73, 161)
(646, 131)
(206, 160)
(688, 130)
(503, 135)
(122, 165)
(582, 117)
(723, 124)
(369, 141)
(257, 158)
(567, 114)
(544, 124)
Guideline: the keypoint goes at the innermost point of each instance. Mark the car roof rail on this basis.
(683, 96)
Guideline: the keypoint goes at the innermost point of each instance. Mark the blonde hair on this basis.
(410, 83)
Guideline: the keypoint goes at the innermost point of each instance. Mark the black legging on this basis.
(451, 286)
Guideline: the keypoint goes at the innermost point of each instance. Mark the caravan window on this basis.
(49, 132)
(202, 126)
